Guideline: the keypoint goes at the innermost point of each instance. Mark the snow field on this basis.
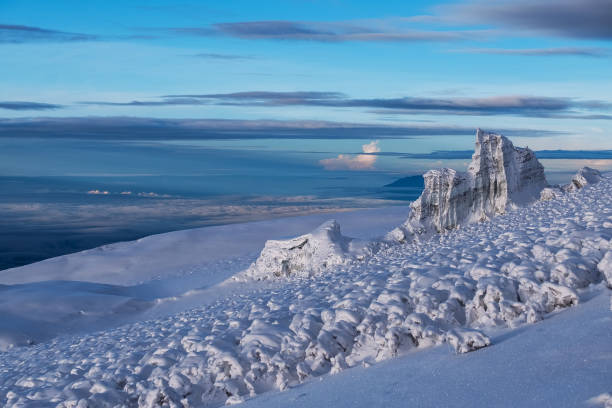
(451, 289)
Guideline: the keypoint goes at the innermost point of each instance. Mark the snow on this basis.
(457, 289)
(584, 177)
(147, 278)
(563, 361)
(305, 255)
(500, 176)
(195, 318)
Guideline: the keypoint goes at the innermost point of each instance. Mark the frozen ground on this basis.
(500, 285)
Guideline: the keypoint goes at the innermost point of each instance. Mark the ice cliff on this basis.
(303, 256)
(500, 176)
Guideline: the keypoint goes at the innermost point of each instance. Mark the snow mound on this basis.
(584, 177)
(499, 177)
(303, 256)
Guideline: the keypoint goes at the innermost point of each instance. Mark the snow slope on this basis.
(154, 276)
(458, 289)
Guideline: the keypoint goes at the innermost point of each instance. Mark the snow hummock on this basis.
(584, 177)
(499, 177)
(305, 255)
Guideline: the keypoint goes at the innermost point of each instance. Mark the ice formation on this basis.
(584, 177)
(499, 177)
(303, 256)
(449, 289)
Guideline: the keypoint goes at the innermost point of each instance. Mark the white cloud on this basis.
(354, 162)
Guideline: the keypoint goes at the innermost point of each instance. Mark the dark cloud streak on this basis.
(128, 128)
(17, 34)
(583, 19)
(330, 32)
(11, 105)
(515, 105)
(543, 52)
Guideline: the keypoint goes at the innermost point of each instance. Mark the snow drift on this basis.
(499, 177)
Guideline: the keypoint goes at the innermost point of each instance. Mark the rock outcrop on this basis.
(499, 177)
(584, 177)
(303, 256)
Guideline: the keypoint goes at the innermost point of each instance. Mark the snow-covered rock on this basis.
(303, 256)
(550, 193)
(499, 177)
(584, 177)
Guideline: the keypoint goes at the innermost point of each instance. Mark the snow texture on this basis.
(499, 177)
(455, 289)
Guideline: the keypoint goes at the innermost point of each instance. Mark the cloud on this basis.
(350, 162)
(584, 19)
(543, 52)
(516, 105)
(223, 57)
(385, 30)
(116, 128)
(17, 34)
(11, 105)
(541, 154)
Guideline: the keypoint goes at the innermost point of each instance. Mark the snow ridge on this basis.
(499, 177)
(450, 288)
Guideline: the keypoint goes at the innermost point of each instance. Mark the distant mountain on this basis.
(410, 181)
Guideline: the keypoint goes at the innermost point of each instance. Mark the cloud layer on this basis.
(15, 34)
(544, 52)
(584, 19)
(20, 105)
(336, 31)
(516, 105)
(116, 128)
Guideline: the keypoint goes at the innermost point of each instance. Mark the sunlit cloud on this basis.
(98, 192)
(354, 162)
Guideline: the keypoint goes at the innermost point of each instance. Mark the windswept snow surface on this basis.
(458, 288)
(563, 361)
(147, 278)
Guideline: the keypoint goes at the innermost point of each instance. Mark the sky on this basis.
(540, 68)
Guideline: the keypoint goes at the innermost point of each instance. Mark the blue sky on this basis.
(531, 65)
